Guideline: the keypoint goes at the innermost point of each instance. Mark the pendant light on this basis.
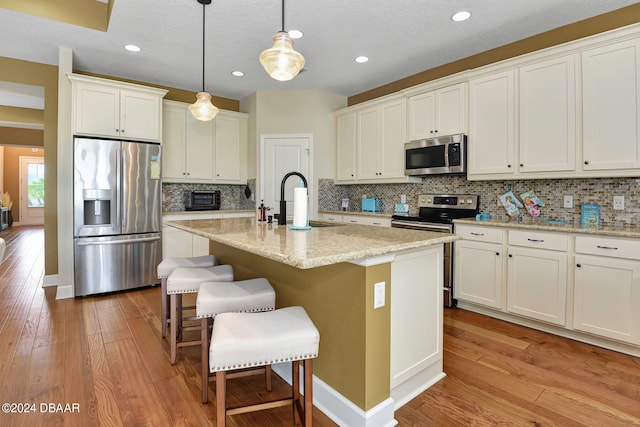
(281, 61)
(203, 109)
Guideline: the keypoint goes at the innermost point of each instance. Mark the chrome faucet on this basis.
(282, 216)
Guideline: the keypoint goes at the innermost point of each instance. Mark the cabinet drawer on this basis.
(608, 246)
(379, 222)
(331, 217)
(480, 234)
(537, 239)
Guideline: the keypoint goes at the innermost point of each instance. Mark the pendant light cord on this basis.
(203, 20)
(283, 16)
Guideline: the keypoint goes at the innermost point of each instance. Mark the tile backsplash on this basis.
(550, 191)
(231, 196)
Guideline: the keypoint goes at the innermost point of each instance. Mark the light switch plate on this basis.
(568, 201)
(618, 203)
(378, 295)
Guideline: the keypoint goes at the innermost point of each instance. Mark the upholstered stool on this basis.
(184, 280)
(166, 267)
(214, 298)
(243, 340)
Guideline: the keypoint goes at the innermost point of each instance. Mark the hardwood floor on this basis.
(106, 355)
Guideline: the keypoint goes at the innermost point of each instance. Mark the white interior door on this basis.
(31, 190)
(281, 154)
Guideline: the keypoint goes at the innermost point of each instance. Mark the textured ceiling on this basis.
(401, 38)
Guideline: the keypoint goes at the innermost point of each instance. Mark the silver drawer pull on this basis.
(536, 240)
(477, 234)
(607, 247)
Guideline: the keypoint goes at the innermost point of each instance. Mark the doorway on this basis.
(280, 154)
(31, 190)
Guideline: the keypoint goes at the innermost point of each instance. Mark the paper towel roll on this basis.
(300, 207)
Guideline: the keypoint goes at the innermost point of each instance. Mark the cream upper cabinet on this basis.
(206, 152)
(113, 109)
(611, 114)
(230, 147)
(547, 116)
(439, 112)
(346, 131)
(370, 143)
(492, 124)
(188, 146)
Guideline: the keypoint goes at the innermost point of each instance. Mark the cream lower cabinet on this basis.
(179, 243)
(607, 288)
(479, 265)
(537, 275)
(357, 219)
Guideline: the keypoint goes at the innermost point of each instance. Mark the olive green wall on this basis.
(32, 73)
(354, 356)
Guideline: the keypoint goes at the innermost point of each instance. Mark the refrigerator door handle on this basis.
(119, 165)
(117, 242)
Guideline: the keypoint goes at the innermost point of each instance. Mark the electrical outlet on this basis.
(568, 202)
(403, 198)
(618, 203)
(378, 295)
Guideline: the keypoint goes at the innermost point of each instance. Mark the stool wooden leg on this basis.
(204, 358)
(267, 377)
(296, 405)
(178, 321)
(174, 327)
(221, 398)
(308, 392)
(165, 309)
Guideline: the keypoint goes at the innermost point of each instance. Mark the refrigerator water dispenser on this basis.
(97, 207)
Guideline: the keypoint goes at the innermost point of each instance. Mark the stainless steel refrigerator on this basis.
(117, 215)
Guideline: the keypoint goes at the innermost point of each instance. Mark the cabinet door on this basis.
(228, 133)
(537, 284)
(176, 242)
(422, 113)
(394, 129)
(548, 116)
(607, 297)
(200, 245)
(97, 110)
(199, 149)
(451, 110)
(369, 143)
(492, 124)
(140, 115)
(611, 114)
(346, 147)
(173, 144)
(478, 273)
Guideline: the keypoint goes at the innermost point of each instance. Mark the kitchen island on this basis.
(371, 360)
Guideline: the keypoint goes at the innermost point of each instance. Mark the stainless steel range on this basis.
(436, 212)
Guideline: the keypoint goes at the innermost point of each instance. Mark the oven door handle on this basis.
(421, 226)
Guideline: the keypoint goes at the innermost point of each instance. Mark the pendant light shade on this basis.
(281, 61)
(203, 109)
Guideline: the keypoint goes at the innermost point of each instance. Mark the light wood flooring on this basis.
(106, 355)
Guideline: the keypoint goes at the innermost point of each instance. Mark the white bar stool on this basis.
(166, 267)
(185, 280)
(244, 340)
(245, 296)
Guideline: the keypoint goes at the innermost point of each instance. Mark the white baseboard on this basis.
(415, 385)
(50, 280)
(340, 409)
(65, 291)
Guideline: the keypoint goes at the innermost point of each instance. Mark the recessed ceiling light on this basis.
(237, 73)
(463, 15)
(361, 59)
(296, 34)
(132, 48)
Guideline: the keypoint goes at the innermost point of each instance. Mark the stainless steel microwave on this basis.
(436, 156)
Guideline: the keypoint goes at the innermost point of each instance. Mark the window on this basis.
(35, 185)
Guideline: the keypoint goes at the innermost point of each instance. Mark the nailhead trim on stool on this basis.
(243, 340)
(166, 267)
(188, 280)
(214, 298)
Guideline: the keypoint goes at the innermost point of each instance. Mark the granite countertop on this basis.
(331, 244)
(535, 224)
(377, 214)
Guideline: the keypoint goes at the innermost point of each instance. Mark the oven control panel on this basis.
(451, 201)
